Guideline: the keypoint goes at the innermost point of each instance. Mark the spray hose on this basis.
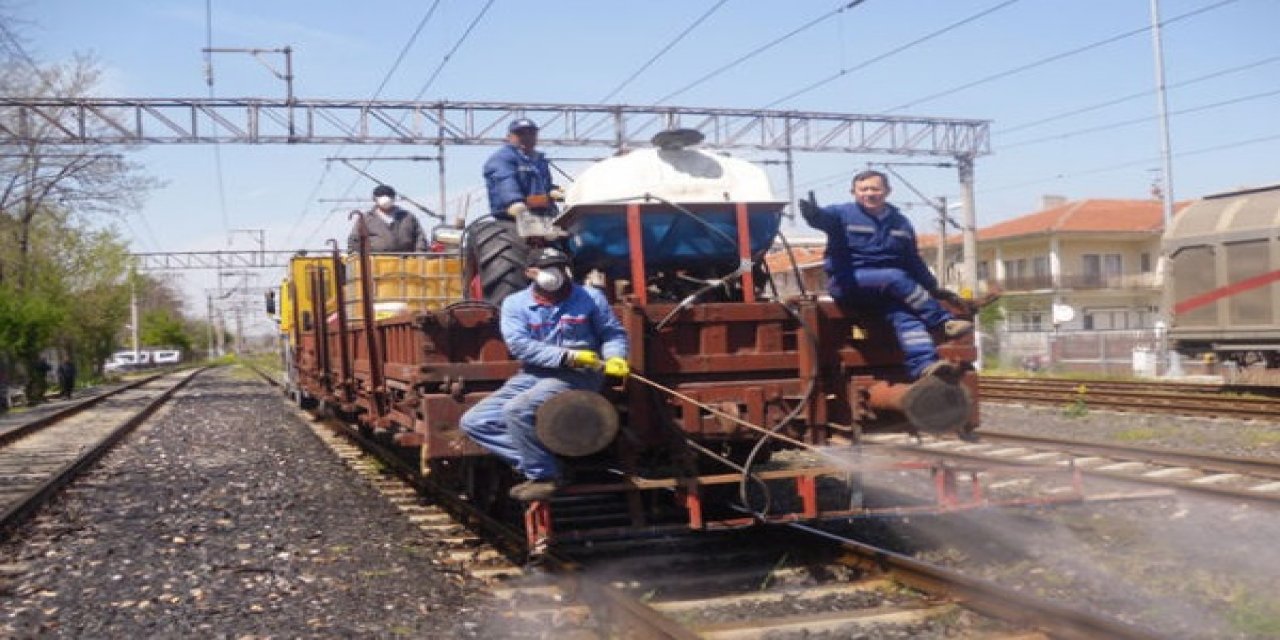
(714, 411)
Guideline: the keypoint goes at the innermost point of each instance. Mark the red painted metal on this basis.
(807, 489)
(347, 393)
(635, 242)
(744, 252)
(321, 328)
(377, 390)
(1195, 302)
(537, 524)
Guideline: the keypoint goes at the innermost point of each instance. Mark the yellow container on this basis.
(405, 282)
(296, 294)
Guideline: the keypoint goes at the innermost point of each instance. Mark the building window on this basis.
(1145, 263)
(1015, 269)
(983, 269)
(1040, 266)
(1097, 269)
(1087, 321)
(1112, 265)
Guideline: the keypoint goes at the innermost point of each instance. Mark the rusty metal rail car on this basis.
(389, 343)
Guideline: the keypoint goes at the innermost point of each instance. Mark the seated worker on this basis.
(518, 176)
(391, 229)
(872, 262)
(560, 332)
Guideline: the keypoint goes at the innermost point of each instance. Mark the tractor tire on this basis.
(496, 256)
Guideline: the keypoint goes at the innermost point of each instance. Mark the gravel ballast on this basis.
(1222, 436)
(225, 517)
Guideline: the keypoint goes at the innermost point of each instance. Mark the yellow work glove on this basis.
(617, 367)
(516, 209)
(583, 359)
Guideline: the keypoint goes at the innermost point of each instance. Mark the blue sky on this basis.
(577, 51)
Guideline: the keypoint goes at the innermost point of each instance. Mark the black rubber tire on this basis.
(497, 255)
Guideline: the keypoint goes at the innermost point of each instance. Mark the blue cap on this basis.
(521, 123)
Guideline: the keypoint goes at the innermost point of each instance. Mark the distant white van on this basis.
(166, 356)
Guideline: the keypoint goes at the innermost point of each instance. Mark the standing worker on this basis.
(391, 229)
(518, 176)
(66, 378)
(872, 262)
(562, 333)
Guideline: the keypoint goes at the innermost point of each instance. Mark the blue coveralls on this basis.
(512, 176)
(872, 263)
(540, 334)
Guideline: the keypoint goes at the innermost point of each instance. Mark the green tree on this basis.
(162, 328)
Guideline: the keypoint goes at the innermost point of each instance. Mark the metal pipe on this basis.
(339, 280)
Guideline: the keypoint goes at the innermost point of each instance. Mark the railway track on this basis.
(746, 584)
(1187, 399)
(1237, 478)
(40, 457)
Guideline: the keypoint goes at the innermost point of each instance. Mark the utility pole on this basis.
(1162, 108)
(133, 313)
(208, 315)
(942, 238)
(970, 227)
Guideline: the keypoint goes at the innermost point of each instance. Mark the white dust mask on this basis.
(550, 279)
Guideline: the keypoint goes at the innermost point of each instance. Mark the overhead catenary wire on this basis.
(844, 6)
(1136, 162)
(1133, 96)
(1056, 57)
(435, 74)
(386, 77)
(1132, 121)
(218, 175)
(892, 52)
(661, 52)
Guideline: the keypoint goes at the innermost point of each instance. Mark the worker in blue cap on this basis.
(518, 176)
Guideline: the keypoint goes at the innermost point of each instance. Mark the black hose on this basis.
(787, 419)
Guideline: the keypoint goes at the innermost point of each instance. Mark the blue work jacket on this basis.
(859, 240)
(512, 176)
(540, 333)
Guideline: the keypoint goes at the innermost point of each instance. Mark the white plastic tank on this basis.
(673, 171)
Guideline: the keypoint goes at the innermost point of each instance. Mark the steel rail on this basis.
(984, 597)
(66, 412)
(18, 512)
(1127, 399)
(644, 621)
(1267, 496)
(1170, 457)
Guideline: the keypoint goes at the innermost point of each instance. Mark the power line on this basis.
(663, 51)
(413, 38)
(217, 148)
(1132, 96)
(761, 49)
(457, 45)
(1131, 121)
(1057, 56)
(403, 52)
(421, 92)
(845, 71)
(1138, 162)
